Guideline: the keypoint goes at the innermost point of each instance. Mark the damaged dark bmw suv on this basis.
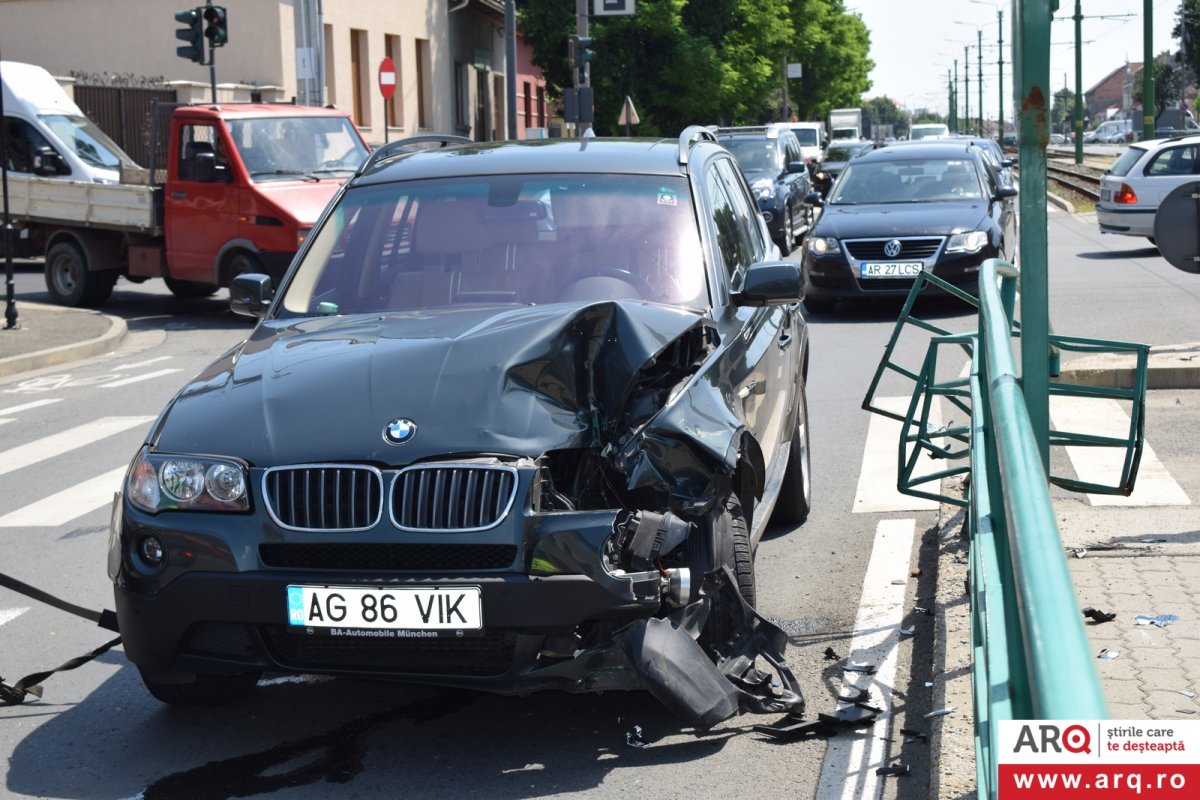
(514, 420)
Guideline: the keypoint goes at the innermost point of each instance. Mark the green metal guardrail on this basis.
(1031, 658)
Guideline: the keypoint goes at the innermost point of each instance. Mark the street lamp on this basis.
(979, 55)
(999, 57)
(953, 115)
(966, 84)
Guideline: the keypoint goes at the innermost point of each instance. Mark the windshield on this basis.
(908, 181)
(838, 153)
(753, 154)
(91, 144)
(503, 240)
(929, 131)
(284, 148)
(807, 136)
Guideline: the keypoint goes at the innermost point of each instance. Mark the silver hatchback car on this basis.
(1140, 179)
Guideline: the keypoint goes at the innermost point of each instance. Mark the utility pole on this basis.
(1148, 71)
(979, 53)
(10, 307)
(510, 56)
(1078, 83)
(1000, 64)
(967, 86)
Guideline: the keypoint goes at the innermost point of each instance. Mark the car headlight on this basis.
(822, 245)
(763, 188)
(169, 482)
(969, 242)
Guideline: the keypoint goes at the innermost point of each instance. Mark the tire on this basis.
(732, 537)
(188, 290)
(71, 283)
(206, 690)
(815, 305)
(786, 239)
(795, 494)
(242, 263)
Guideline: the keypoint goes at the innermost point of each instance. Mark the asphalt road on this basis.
(98, 734)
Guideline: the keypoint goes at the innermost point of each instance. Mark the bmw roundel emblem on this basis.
(399, 431)
(891, 249)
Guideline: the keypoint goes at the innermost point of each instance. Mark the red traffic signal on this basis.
(216, 30)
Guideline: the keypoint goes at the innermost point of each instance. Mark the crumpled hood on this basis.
(518, 381)
(901, 219)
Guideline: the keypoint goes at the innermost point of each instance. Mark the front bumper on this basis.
(835, 277)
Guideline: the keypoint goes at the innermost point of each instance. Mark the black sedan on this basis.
(898, 211)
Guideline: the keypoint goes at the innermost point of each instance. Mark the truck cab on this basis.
(246, 183)
(48, 135)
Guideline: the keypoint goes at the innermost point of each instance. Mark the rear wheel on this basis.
(243, 263)
(206, 690)
(795, 495)
(69, 280)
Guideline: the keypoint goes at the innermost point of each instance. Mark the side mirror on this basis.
(47, 161)
(206, 167)
(250, 294)
(1007, 162)
(796, 166)
(814, 199)
(1004, 192)
(769, 283)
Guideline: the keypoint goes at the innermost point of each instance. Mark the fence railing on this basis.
(1031, 658)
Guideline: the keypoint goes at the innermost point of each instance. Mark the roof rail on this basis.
(402, 146)
(690, 134)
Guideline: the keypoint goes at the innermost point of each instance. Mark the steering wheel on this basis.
(637, 282)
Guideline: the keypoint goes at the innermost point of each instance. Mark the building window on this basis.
(499, 123)
(395, 113)
(330, 72)
(541, 106)
(360, 77)
(527, 101)
(424, 85)
(462, 96)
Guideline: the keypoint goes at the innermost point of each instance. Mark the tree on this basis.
(1062, 111)
(1187, 31)
(1168, 87)
(832, 44)
(880, 111)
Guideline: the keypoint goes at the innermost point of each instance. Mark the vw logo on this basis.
(399, 431)
(892, 248)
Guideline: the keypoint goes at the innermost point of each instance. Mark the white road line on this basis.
(9, 614)
(852, 757)
(71, 439)
(6, 420)
(145, 363)
(28, 406)
(877, 492)
(62, 507)
(139, 378)
(1105, 417)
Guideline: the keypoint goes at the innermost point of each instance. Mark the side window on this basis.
(793, 151)
(989, 179)
(730, 243)
(1174, 161)
(746, 209)
(202, 157)
(23, 142)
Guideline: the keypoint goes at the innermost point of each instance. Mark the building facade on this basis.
(449, 57)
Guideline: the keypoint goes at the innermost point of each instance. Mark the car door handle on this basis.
(785, 340)
(179, 195)
(744, 392)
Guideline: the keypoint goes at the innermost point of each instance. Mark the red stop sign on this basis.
(387, 78)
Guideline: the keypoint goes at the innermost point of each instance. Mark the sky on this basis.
(915, 42)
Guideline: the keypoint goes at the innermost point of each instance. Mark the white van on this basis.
(811, 136)
(929, 130)
(48, 135)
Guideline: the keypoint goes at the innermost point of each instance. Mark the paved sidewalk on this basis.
(46, 335)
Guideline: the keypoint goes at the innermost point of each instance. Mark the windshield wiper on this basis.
(264, 172)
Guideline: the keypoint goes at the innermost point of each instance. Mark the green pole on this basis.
(1033, 30)
(1078, 83)
(1148, 106)
(967, 88)
(954, 108)
(1000, 64)
(979, 53)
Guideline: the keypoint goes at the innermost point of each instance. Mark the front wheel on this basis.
(188, 290)
(786, 233)
(70, 282)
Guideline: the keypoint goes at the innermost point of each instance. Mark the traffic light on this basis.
(579, 50)
(193, 34)
(217, 31)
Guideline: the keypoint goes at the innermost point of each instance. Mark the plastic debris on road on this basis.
(1161, 620)
(1108, 654)
(1097, 615)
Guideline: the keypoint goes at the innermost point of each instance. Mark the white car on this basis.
(1140, 179)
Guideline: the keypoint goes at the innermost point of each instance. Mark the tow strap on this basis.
(31, 684)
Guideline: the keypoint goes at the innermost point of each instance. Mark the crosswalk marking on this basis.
(1106, 417)
(9, 614)
(877, 492)
(29, 406)
(56, 444)
(139, 378)
(145, 363)
(62, 507)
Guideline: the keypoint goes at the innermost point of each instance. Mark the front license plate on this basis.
(892, 269)
(350, 608)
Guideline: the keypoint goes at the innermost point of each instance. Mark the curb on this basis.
(75, 351)
(1170, 366)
